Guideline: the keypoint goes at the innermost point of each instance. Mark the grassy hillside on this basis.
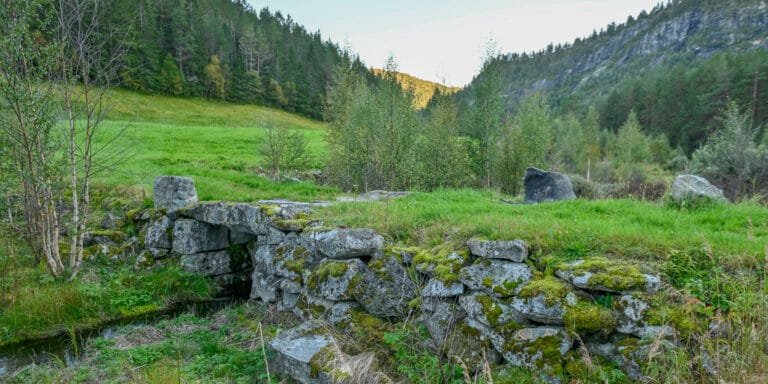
(213, 142)
(423, 90)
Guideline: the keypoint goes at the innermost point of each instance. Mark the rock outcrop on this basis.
(484, 301)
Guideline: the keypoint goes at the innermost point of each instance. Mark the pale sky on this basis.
(445, 40)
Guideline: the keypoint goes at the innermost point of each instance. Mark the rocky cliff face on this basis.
(687, 31)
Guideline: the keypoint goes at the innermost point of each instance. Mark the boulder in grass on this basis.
(693, 188)
(542, 186)
(513, 250)
(172, 193)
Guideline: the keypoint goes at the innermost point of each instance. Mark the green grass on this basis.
(215, 143)
(224, 348)
(38, 306)
(626, 228)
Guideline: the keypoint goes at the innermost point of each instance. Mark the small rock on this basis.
(441, 318)
(542, 186)
(437, 288)
(538, 348)
(514, 250)
(541, 310)
(172, 193)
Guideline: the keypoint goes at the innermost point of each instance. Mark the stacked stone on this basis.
(488, 296)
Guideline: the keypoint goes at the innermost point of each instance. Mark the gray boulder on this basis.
(264, 282)
(334, 280)
(385, 288)
(691, 187)
(158, 234)
(192, 236)
(172, 193)
(542, 186)
(514, 250)
(343, 244)
(498, 278)
(630, 313)
(489, 311)
(297, 351)
(605, 275)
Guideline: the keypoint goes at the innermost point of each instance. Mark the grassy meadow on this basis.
(215, 143)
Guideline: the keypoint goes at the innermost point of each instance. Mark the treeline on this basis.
(378, 141)
(222, 49)
(683, 102)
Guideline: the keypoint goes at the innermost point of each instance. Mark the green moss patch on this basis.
(553, 289)
(609, 274)
(589, 318)
(442, 262)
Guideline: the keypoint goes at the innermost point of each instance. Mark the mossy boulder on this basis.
(385, 287)
(499, 278)
(540, 348)
(335, 280)
(240, 217)
(442, 263)
(602, 274)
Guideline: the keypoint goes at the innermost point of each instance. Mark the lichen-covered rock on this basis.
(240, 238)
(384, 288)
(192, 236)
(691, 187)
(630, 354)
(513, 250)
(540, 348)
(499, 278)
(601, 274)
(172, 193)
(335, 280)
(292, 261)
(264, 281)
(217, 262)
(542, 186)
(343, 244)
(491, 311)
(437, 288)
(243, 218)
(273, 237)
(297, 350)
(630, 313)
(158, 233)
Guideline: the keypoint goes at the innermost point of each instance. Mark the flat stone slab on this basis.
(512, 250)
(295, 350)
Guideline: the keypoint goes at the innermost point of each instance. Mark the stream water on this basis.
(67, 351)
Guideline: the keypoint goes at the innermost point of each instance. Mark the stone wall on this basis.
(489, 294)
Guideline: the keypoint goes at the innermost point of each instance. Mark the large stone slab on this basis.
(346, 243)
(513, 250)
(172, 193)
(542, 186)
(240, 218)
(192, 236)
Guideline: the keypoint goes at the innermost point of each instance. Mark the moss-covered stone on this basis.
(330, 269)
(589, 318)
(442, 263)
(600, 273)
(553, 289)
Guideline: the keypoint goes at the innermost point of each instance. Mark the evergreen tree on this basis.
(169, 80)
